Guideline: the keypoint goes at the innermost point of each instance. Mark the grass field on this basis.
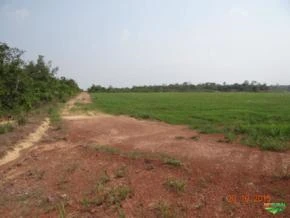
(254, 119)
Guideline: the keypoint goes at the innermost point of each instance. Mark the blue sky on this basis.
(134, 42)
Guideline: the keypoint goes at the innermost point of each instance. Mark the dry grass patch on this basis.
(121, 172)
(176, 185)
(163, 209)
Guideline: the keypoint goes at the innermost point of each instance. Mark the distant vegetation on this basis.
(255, 119)
(246, 86)
(24, 86)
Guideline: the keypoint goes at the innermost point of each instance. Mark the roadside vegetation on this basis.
(55, 117)
(254, 119)
(28, 85)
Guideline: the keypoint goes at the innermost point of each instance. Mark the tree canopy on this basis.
(246, 86)
(27, 85)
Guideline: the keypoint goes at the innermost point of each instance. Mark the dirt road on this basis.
(61, 173)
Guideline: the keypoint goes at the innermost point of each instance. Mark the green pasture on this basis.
(254, 119)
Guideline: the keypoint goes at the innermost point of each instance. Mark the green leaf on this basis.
(272, 210)
(276, 208)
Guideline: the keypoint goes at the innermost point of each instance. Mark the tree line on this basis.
(25, 85)
(246, 86)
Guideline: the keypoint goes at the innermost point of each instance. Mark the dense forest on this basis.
(188, 87)
(26, 85)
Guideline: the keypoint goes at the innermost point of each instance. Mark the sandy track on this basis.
(83, 98)
(61, 164)
(126, 132)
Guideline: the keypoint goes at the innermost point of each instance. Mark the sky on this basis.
(145, 42)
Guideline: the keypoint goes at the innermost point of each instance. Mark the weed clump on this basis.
(164, 209)
(106, 149)
(121, 172)
(173, 162)
(104, 178)
(118, 194)
(179, 137)
(195, 138)
(104, 194)
(175, 185)
(61, 210)
(108, 196)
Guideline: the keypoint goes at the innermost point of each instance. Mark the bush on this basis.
(24, 86)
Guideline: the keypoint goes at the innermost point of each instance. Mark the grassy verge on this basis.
(259, 119)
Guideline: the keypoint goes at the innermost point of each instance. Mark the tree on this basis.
(26, 85)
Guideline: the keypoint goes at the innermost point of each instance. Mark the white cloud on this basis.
(239, 12)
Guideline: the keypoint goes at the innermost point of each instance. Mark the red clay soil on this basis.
(63, 173)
